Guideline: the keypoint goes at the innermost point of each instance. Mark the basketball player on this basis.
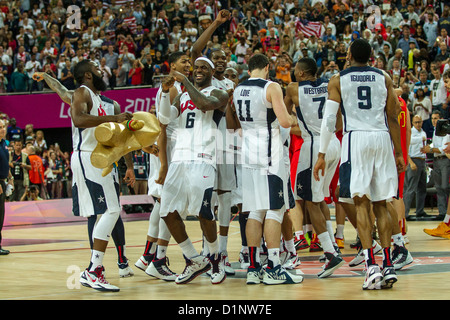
(226, 179)
(93, 193)
(192, 172)
(396, 208)
(118, 233)
(309, 95)
(370, 111)
(154, 260)
(260, 110)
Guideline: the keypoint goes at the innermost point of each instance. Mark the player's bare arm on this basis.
(217, 100)
(65, 94)
(331, 112)
(275, 96)
(207, 34)
(81, 106)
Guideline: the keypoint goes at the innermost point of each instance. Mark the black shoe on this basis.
(410, 218)
(4, 252)
(439, 217)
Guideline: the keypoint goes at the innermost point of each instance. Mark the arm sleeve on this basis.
(328, 125)
(166, 112)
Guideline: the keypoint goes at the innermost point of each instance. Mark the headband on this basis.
(207, 60)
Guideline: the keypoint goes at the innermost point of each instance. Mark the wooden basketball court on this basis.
(46, 260)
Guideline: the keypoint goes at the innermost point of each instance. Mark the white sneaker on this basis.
(125, 270)
(373, 278)
(159, 269)
(279, 275)
(255, 275)
(292, 262)
(389, 277)
(360, 258)
(218, 274)
(194, 267)
(143, 263)
(228, 268)
(96, 280)
(244, 260)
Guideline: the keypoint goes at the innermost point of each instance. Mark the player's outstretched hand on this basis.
(38, 76)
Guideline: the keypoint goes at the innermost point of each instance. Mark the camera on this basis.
(442, 127)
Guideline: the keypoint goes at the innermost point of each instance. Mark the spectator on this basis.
(67, 77)
(415, 176)
(422, 107)
(39, 141)
(136, 73)
(14, 132)
(107, 73)
(19, 79)
(19, 170)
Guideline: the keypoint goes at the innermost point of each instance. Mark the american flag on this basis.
(309, 28)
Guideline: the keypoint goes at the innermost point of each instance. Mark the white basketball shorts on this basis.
(307, 188)
(188, 189)
(91, 193)
(368, 166)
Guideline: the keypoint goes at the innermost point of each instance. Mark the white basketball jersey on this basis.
(226, 139)
(83, 139)
(312, 96)
(171, 127)
(364, 93)
(262, 145)
(196, 131)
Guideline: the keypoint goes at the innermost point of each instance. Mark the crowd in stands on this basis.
(131, 41)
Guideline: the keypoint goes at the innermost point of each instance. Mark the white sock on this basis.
(330, 232)
(213, 247)
(205, 249)
(161, 252)
(96, 259)
(446, 219)
(244, 249)
(188, 249)
(290, 246)
(298, 234)
(274, 256)
(340, 231)
(223, 240)
(326, 243)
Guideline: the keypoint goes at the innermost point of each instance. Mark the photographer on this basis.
(31, 194)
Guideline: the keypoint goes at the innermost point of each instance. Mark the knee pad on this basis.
(224, 211)
(105, 225)
(257, 215)
(164, 233)
(276, 215)
(153, 222)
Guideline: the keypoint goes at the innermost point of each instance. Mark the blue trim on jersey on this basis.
(345, 173)
(344, 118)
(106, 99)
(261, 83)
(218, 116)
(271, 117)
(360, 69)
(315, 83)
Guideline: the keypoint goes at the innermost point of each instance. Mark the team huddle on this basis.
(225, 143)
